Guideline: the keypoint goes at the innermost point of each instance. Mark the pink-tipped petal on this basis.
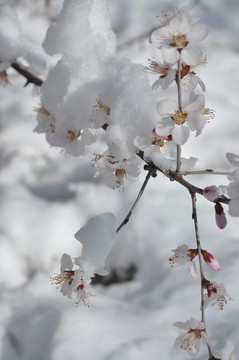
(211, 193)
(211, 261)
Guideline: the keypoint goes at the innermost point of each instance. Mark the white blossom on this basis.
(191, 332)
(74, 279)
(116, 170)
(216, 294)
(173, 120)
(177, 37)
(184, 255)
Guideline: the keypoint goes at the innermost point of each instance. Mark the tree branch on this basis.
(31, 79)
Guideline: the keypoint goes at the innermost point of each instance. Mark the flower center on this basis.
(157, 142)
(65, 277)
(179, 42)
(179, 117)
(73, 135)
(119, 173)
(157, 68)
(101, 106)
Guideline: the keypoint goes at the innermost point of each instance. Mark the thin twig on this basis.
(151, 172)
(195, 220)
(29, 76)
(207, 171)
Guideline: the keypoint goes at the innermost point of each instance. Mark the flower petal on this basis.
(191, 55)
(170, 54)
(233, 159)
(167, 107)
(66, 263)
(180, 134)
(164, 127)
(198, 32)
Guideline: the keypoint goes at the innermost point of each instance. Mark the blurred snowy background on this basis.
(46, 197)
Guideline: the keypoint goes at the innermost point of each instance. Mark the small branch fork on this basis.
(172, 175)
(31, 79)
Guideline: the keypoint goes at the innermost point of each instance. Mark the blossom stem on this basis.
(195, 220)
(178, 80)
(151, 172)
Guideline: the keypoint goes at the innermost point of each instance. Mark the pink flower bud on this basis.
(211, 261)
(211, 193)
(221, 219)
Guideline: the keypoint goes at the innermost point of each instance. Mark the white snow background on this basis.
(46, 197)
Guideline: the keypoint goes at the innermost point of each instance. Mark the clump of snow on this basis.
(81, 27)
(97, 238)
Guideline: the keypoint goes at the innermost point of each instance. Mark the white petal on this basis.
(234, 207)
(66, 263)
(180, 134)
(233, 190)
(192, 269)
(180, 24)
(167, 107)
(170, 54)
(233, 159)
(196, 121)
(164, 127)
(191, 55)
(159, 36)
(198, 32)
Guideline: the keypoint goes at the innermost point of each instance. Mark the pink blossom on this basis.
(210, 260)
(211, 193)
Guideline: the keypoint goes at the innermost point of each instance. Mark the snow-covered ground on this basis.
(47, 196)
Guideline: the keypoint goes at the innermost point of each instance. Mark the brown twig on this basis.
(31, 79)
(195, 220)
(151, 172)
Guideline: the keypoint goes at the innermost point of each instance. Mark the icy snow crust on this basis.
(46, 197)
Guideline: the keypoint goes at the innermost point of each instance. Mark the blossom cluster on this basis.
(91, 93)
(214, 293)
(176, 39)
(83, 100)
